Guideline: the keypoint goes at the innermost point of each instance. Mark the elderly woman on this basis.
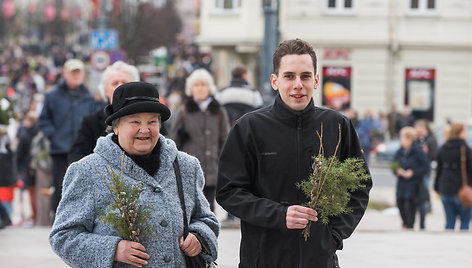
(200, 127)
(413, 166)
(80, 236)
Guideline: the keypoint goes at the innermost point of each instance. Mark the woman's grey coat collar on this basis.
(112, 153)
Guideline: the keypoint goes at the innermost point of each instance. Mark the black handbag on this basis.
(8, 169)
(196, 261)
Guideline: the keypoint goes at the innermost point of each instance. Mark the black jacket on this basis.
(448, 173)
(93, 127)
(267, 152)
(416, 160)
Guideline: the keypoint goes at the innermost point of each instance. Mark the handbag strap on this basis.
(178, 178)
(463, 166)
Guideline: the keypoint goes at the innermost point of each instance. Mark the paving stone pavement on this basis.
(378, 241)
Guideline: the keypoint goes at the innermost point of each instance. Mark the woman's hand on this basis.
(191, 246)
(132, 253)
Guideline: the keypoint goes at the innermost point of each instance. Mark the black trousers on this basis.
(407, 209)
(59, 167)
(210, 192)
(3, 214)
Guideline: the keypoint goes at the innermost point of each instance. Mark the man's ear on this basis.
(317, 81)
(273, 81)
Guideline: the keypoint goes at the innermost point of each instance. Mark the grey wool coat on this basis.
(82, 240)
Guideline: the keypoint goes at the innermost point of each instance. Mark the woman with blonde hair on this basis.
(200, 127)
(449, 178)
(413, 166)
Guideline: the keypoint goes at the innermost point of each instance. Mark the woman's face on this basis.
(200, 90)
(406, 141)
(138, 133)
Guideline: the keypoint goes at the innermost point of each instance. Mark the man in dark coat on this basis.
(64, 108)
(268, 151)
(93, 126)
(239, 98)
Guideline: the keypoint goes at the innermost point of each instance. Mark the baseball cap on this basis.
(73, 64)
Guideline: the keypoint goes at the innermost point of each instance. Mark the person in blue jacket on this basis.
(64, 108)
(413, 164)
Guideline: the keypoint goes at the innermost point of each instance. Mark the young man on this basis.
(268, 151)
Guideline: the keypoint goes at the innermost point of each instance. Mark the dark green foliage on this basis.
(342, 178)
(6, 111)
(329, 186)
(127, 216)
(394, 166)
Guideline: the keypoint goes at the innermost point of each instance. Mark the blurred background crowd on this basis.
(383, 85)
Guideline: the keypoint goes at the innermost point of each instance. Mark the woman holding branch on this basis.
(127, 190)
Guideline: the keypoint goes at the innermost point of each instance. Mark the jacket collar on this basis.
(238, 82)
(192, 107)
(112, 154)
(289, 116)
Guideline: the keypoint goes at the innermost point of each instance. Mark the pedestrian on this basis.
(404, 119)
(93, 125)
(365, 129)
(429, 145)
(239, 98)
(63, 110)
(448, 179)
(25, 135)
(200, 127)
(392, 118)
(412, 165)
(136, 149)
(41, 166)
(268, 152)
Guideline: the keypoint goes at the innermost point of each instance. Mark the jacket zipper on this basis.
(299, 130)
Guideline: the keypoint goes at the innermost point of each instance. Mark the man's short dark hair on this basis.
(293, 47)
(238, 72)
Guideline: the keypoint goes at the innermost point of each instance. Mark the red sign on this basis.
(336, 53)
(337, 71)
(419, 74)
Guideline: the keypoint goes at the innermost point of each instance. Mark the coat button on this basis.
(207, 132)
(157, 189)
(167, 259)
(207, 152)
(164, 223)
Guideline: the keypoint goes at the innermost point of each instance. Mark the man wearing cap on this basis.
(63, 110)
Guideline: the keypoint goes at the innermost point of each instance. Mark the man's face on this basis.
(295, 81)
(115, 79)
(74, 78)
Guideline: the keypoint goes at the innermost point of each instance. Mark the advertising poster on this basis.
(419, 92)
(336, 87)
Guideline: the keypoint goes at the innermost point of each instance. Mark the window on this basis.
(227, 6)
(339, 7)
(422, 7)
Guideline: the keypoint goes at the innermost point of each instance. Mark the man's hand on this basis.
(191, 246)
(132, 253)
(298, 216)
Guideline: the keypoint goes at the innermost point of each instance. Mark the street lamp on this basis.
(271, 40)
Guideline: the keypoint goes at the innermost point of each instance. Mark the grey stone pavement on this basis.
(378, 241)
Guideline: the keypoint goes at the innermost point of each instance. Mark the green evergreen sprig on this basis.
(6, 111)
(125, 214)
(330, 185)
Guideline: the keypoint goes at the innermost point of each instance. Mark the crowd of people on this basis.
(199, 145)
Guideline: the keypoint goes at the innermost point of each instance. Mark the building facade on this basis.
(372, 54)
